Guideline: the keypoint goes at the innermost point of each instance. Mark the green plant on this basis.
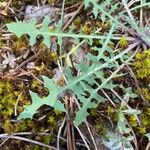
(80, 85)
(89, 85)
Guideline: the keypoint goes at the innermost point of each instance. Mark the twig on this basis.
(136, 81)
(59, 132)
(141, 15)
(18, 67)
(134, 136)
(92, 137)
(61, 24)
(128, 11)
(132, 2)
(144, 46)
(61, 71)
(23, 63)
(62, 12)
(108, 98)
(71, 101)
(13, 13)
(148, 146)
(17, 103)
(27, 140)
(82, 136)
(70, 133)
(30, 133)
(72, 6)
(38, 3)
(70, 136)
(37, 78)
(7, 5)
(70, 20)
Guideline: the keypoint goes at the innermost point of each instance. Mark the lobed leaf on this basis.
(37, 102)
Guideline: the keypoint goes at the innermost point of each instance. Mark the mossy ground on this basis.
(14, 89)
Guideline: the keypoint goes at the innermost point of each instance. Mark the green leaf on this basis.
(148, 136)
(19, 28)
(117, 141)
(87, 103)
(81, 86)
(82, 113)
(37, 102)
(101, 8)
(130, 93)
(122, 123)
(89, 75)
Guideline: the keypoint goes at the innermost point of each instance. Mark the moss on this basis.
(100, 120)
(100, 127)
(123, 42)
(19, 44)
(142, 65)
(133, 121)
(141, 68)
(145, 92)
(9, 92)
(1, 42)
(141, 130)
(77, 22)
(144, 120)
(87, 28)
(46, 56)
(8, 96)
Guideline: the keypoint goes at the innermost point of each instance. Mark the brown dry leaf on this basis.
(9, 59)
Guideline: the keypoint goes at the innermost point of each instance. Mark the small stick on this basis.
(22, 64)
(27, 140)
(148, 146)
(59, 132)
(18, 67)
(17, 103)
(134, 136)
(108, 98)
(7, 5)
(73, 16)
(82, 136)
